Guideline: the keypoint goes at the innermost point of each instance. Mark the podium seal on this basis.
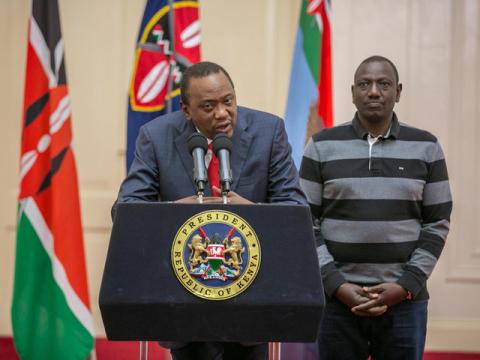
(216, 255)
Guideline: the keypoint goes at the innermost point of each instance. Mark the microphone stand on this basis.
(197, 146)
(222, 147)
(200, 197)
(225, 191)
(200, 185)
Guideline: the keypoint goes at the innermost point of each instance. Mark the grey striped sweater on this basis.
(381, 211)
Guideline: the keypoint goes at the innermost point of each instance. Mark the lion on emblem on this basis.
(197, 248)
(235, 248)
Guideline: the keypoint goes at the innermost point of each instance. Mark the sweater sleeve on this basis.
(436, 210)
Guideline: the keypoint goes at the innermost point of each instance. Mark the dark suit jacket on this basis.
(262, 167)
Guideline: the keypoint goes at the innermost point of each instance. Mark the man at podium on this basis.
(262, 167)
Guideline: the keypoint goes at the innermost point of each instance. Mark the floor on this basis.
(126, 350)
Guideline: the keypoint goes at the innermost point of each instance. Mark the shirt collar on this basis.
(363, 133)
(209, 141)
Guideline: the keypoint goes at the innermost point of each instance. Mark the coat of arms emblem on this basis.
(216, 255)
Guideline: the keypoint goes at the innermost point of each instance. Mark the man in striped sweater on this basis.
(380, 198)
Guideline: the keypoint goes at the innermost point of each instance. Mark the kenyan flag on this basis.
(51, 315)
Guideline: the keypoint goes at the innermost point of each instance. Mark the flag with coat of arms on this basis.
(168, 42)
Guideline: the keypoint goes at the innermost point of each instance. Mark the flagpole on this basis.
(143, 350)
(274, 351)
(172, 57)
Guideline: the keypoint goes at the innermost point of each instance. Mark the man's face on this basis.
(375, 91)
(212, 105)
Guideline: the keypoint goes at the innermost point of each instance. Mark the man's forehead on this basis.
(215, 85)
(375, 70)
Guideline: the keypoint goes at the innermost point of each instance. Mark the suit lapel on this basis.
(182, 149)
(241, 141)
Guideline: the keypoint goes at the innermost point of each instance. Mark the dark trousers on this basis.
(397, 334)
(220, 351)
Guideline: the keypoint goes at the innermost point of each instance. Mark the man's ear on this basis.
(399, 91)
(186, 110)
(351, 89)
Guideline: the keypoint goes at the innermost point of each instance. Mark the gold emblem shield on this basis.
(216, 255)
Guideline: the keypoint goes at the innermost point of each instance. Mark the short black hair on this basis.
(379, 58)
(199, 70)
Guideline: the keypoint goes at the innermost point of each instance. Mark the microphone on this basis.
(197, 146)
(222, 146)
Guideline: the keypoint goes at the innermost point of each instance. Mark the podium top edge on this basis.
(206, 206)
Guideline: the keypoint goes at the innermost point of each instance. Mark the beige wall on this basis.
(435, 43)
